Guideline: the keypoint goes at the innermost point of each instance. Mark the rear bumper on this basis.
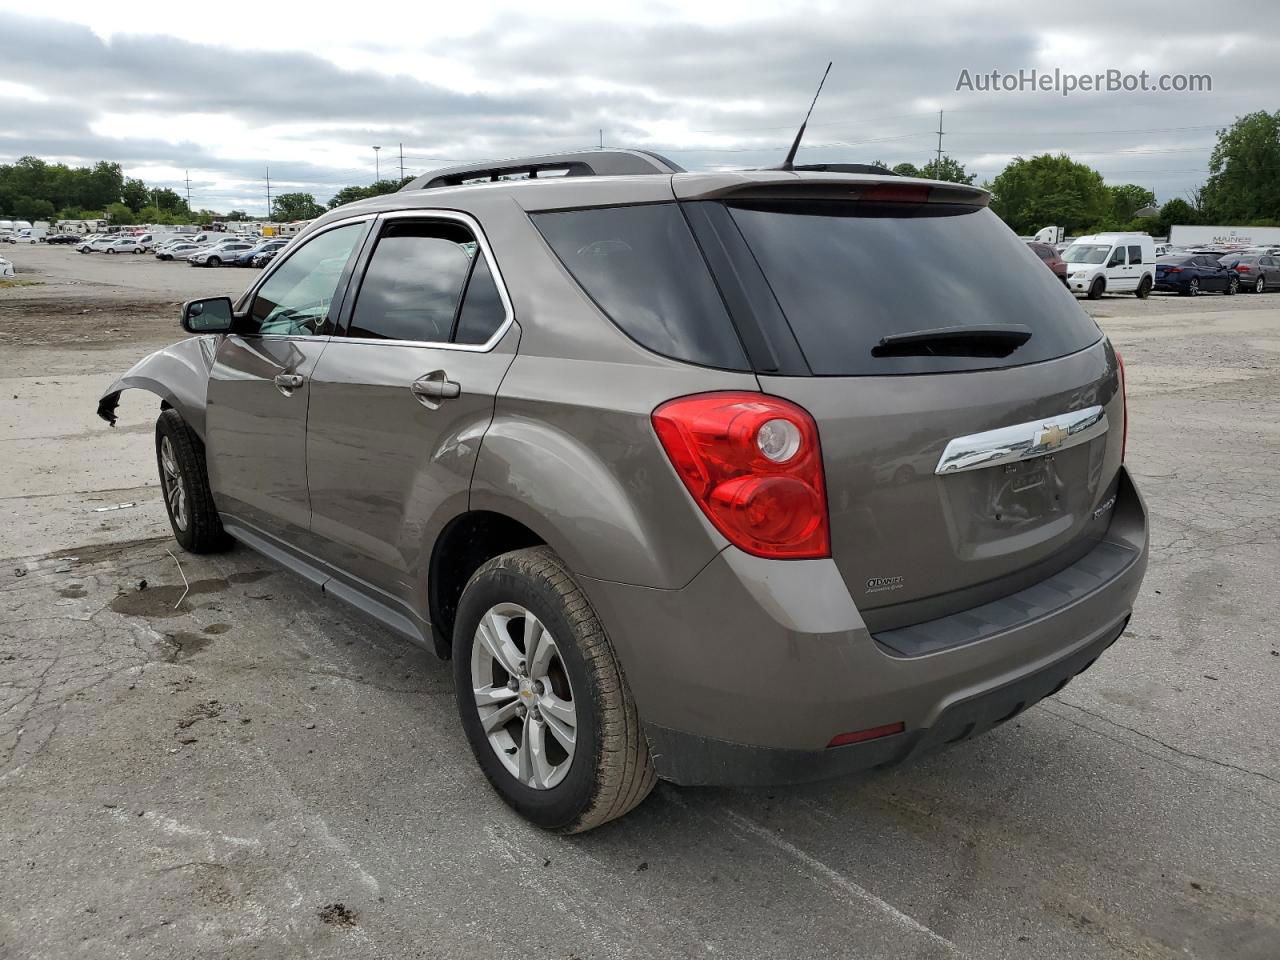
(745, 674)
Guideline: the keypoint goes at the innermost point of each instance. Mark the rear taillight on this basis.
(1124, 399)
(1173, 270)
(753, 464)
(1242, 267)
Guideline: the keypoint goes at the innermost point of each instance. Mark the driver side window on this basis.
(297, 298)
(1117, 257)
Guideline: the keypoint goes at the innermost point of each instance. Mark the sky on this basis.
(222, 95)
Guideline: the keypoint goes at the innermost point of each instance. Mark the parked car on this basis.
(219, 253)
(62, 238)
(260, 260)
(96, 244)
(1256, 273)
(6, 269)
(1049, 255)
(630, 482)
(1111, 263)
(124, 245)
(1192, 274)
(1261, 251)
(245, 259)
(177, 251)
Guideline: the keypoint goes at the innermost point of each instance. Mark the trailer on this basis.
(1188, 237)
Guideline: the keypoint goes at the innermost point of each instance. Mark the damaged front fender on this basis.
(178, 374)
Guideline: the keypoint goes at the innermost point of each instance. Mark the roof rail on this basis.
(588, 163)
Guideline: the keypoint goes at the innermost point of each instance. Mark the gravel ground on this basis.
(253, 771)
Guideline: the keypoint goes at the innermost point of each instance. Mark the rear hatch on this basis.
(916, 326)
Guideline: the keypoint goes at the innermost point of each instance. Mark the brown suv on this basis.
(682, 481)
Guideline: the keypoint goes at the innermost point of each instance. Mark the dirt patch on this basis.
(208, 710)
(338, 915)
(85, 322)
(214, 629)
(73, 592)
(187, 644)
(162, 602)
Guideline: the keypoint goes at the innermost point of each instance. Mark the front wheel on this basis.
(1144, 288)
(542, 697)
(184, 483)
(213, 262)
(1096, 288)
(1233, 286)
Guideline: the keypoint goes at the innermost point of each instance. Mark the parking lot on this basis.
(204, 757)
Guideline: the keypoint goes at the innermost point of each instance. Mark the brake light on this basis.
(1124, 398)
(753, 465)
(1173, 270)
(1242, 267)
(895, 193)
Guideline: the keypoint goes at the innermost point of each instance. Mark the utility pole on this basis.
(402, 161)
(601, 147)
(377, 170)
(188, 173)
(268, 193)
(938, 169)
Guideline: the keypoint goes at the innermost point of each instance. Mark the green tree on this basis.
(33, 208)
(295, 206)
(103, 185)
(950, 170)
(1047, 190)
(1175, 211)
(134, 194)
(1244, 171)
(1127, 199)
(236, 215)
(120, 213)
(907, 170)
(361, 192)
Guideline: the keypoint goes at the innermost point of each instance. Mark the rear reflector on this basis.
(893, 193)
(1124, 398)
(872, 733)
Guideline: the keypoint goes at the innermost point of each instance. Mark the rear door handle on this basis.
(435, 386)
(286, 383)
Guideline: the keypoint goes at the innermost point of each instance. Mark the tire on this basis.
(111, 250)
(1193, 287)
(1261, 285)
(1096, 288)
(1233, 286)
(1144, 288)
(609, 771)
(213, 262)
(184, 485)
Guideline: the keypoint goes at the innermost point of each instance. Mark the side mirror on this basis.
(211, 315)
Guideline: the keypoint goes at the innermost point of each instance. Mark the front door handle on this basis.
(434, 387)
(286, 383)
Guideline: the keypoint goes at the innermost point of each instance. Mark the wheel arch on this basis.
(177, 374)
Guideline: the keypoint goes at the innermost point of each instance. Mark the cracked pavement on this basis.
(252, 770)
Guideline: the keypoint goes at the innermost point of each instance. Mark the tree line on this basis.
(1243, 189)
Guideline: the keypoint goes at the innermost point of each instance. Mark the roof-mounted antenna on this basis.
(789, 163)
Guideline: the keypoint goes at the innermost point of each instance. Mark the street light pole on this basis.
(377, 169)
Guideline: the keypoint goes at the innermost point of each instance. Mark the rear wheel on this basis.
(184, 482)
(542, 696)
(1096, 288)
(1144, 288)
(1260, 285)
(1233, 286)
(1193, 287)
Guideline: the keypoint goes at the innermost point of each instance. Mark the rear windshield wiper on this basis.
(993, 340)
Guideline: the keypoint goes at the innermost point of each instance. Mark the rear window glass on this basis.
(642, 268)
(848, 274)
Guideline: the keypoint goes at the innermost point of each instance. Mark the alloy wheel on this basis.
(175, 492)
(523, 696)
(1260, 285)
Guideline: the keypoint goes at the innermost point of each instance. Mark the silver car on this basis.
(680, 484)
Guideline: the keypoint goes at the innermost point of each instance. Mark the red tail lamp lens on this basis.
(871, 733)
(753, 465)
(1124, 398)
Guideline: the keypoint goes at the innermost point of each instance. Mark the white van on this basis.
(1111, 263)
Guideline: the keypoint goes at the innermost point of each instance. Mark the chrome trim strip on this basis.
(1022, 441)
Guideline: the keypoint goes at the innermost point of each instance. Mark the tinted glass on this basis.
(642, 268)
(296, 298)
(828, 264)
(1135, 254)
(482, 308)
(414, 282)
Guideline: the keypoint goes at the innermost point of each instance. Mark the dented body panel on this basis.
(177, 374)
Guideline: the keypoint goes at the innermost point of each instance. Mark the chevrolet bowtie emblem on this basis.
(1051, 436)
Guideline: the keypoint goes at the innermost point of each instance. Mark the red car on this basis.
(1051, 258)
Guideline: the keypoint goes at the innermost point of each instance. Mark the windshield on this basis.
(1087, 252)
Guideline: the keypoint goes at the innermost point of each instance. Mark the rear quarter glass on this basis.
(848, 273)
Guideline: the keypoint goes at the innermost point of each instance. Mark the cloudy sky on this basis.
(221, 92)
